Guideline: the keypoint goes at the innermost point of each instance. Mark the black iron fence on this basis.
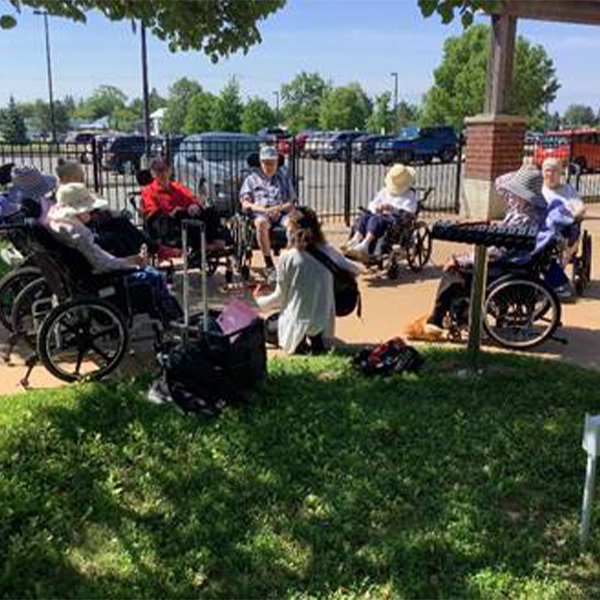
(334, 180)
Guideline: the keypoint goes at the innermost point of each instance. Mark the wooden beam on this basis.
(585, 12)
(499, 75)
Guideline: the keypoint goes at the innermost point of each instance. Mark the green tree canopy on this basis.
(104, 102)
(41, 117)
(447, 9)
(227, 115)
(346, 107)
(200, 111)
(216, 27)
(180, 94)
(12, 124)
(381, 120)
(459, 88)
(579, 115)
(256, 115)
(301, 100)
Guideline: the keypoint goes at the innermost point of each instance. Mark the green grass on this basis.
(329, 486)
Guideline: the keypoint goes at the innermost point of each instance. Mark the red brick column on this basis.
(494, 147)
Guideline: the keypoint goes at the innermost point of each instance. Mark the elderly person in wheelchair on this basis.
(165, 204)
(395, 204)
(526, 207)
(268, 195)
(68, 220)
(557, 192)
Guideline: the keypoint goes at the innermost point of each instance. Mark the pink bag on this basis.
(235, 316)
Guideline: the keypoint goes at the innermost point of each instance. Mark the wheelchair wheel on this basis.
(242, 243)
(29, 310)
(82, 339)
(582, 265)
(418, 246)
(10, 286)
(521, 313)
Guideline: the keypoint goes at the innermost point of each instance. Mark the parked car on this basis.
(123, 153)
(579, 146)
(418, 144)
(274, 134)
(363, 148)
(215, 164)
(80, 137)
(338, 146)
(285, 144)
(315, 143)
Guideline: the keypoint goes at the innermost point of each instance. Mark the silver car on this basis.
(214, 165)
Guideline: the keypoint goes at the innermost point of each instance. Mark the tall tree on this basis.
(227, 115)
(257, 114)
(466, 9)
(408, 114)
(301, 100)
(215, 27)
(104, 102)
(199, 114)
(180, 94)
(12, 124)
(40, 115)
(381, 120)
(579, 115)
(459, 88)
(346, 107)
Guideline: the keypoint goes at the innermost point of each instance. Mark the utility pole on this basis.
(146, 96)
(49, 68)
(395, 76)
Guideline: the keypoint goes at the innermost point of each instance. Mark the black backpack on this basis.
(345, 287)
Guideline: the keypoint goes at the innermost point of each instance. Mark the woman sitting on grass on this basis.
(305, 287)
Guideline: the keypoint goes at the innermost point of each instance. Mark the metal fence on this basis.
(335, 185)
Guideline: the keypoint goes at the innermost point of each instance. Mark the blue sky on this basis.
(344, 40)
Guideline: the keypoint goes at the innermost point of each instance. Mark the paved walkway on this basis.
(389, 305)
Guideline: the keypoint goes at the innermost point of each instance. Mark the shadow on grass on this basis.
(329, 485)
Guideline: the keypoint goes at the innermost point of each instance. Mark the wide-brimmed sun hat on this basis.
(268, 153)
(399, 179)
(526, 183)
(30, 183)
(76, 199)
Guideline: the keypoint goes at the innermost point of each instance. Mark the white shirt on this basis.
(407, 201)
(566, 194)
(305, 293)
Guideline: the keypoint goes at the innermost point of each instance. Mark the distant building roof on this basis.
(159, 113)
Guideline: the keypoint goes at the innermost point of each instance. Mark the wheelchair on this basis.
(410, 241)
(167, 234)
(521, 310)
(77, 323)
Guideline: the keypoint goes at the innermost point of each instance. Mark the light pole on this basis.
(147, 132)
(395, 76)
(276, 94)
(49, 66)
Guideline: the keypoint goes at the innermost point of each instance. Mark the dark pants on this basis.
(167, 229)
(452, 285)
(375, 224)
(119, 236)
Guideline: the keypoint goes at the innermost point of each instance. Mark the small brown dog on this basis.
(419, 330)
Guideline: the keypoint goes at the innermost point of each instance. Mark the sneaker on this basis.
(360, 252)
(565, 292)
(270, 275)
(352, 242)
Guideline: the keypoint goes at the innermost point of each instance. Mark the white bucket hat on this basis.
(32, 184)
(76, 199)
(399, 179)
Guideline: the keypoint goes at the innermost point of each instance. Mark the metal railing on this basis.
(334, 181)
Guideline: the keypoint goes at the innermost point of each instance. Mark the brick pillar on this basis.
(494, 147)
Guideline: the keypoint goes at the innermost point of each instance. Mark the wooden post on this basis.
(499, 78)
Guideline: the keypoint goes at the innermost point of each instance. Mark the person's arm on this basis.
(283, 282)
(149, 205)
(188, 197)
(375, 203)
(82, 239)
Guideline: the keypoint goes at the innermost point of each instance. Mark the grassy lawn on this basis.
(329, 486)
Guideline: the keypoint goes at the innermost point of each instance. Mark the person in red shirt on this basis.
(166, 203)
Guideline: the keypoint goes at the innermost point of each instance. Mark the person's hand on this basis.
(274, 212)
(138, 260)
(451, 264)
(260, 290)
(194, 210)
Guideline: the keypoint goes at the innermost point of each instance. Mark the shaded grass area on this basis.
(329, 486)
